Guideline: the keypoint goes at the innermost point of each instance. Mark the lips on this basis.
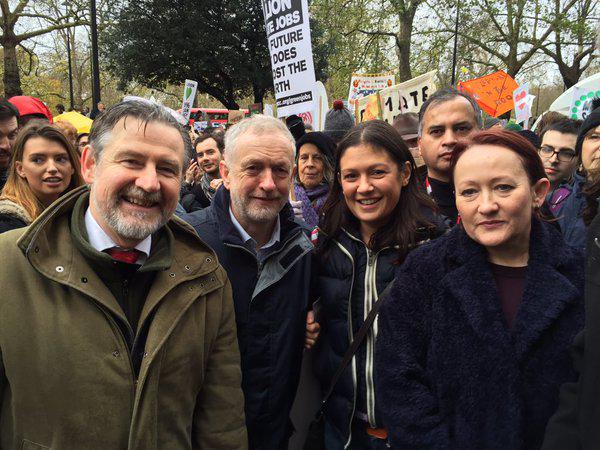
(491, 223)
(52, 180)
(144, 203)
(368, 201)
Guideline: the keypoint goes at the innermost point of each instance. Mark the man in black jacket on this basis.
(267, 256)
(446, 116)
(9, 127)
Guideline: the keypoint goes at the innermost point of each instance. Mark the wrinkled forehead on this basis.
(484, 163)
(268, 145)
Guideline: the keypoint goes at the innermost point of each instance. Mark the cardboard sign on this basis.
(367, 108)
(362, 85)
(493, 93)
(189, 94)
(234, 116)
(288, 38)
(408, 96)
(581, 104)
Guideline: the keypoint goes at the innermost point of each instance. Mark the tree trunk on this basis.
(403, 48)
(570, 75)
(12, 81)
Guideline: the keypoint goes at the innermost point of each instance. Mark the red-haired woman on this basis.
(474, 341)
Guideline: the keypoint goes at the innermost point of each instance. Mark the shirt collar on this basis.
(102, 241)
(275, 237)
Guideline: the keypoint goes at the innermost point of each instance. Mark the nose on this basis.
(364, 185)
(148, 179)
(267, 183)
(310, 162)
(4, 143)
(554, 158)
(488, 204)
(449, 138)
(51, 166)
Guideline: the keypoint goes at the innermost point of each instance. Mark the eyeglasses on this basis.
(562, 154)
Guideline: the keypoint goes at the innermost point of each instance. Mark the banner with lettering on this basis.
(288, 38)
(362, 85)
(408, 96)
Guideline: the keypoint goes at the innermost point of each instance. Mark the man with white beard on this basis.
(267, 255)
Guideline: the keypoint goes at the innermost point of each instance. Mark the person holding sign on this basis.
(446, 117)
(375, 214)
(474, 339)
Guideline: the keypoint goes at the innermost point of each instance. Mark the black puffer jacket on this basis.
(350, 279)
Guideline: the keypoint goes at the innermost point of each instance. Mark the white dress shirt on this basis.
(246, 237)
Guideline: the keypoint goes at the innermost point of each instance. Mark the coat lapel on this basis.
(471, 285)
(547, 291)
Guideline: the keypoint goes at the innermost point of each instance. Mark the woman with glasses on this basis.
(565, 200)
(474, 339)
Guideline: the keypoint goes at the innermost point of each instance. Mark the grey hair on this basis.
(257, 124)
(446, 95)
(145, 112)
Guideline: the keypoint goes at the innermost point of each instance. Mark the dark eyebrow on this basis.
(462, 124)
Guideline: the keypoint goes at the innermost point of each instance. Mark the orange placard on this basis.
(367, 108)
(493, 92)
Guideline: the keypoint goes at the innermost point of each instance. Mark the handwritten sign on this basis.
(493, 92)
(408, 96)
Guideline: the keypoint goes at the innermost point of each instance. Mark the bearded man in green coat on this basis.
(117, 328)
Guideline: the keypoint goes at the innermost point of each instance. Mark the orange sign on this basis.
(367, 108)
(493, 93)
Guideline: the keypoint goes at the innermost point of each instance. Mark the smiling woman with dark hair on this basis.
(375, 214)
(474, 340)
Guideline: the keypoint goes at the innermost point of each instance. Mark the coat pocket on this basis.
(28, 445)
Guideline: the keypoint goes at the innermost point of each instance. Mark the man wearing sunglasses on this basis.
(560, 160)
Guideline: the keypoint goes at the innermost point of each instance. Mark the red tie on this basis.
(126, 256)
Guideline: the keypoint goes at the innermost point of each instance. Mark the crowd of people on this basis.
(161, 289)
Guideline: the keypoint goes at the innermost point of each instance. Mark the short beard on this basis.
(126, 228)
(256, 215)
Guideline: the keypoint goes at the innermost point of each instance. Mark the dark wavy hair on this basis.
(407, 222)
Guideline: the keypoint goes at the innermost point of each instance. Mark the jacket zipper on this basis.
(350, 339)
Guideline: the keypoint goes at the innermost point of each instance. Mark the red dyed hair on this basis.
(527, 153)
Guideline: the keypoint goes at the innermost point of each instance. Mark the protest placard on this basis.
(189, 94)
(367, 108)
(288, 38)
(362, 85)
(408, 96)
(522, 107)
(493, 92)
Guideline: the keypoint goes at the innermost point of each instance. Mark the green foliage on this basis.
(220, 44)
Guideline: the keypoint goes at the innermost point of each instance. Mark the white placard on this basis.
(189, 94)
(288, 38)
(408, 96)
(522, 109)
(363, 85)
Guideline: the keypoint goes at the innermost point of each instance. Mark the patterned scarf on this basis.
(205, 184)
(312, 202)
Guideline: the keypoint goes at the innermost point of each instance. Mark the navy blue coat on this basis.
(271, 295)
(449, 373)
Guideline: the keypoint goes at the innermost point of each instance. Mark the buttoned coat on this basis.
(66, 376)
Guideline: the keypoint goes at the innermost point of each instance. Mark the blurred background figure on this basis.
(315, 153)
(338, 121)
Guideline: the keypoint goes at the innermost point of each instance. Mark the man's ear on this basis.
(88, 164)
(224, 171)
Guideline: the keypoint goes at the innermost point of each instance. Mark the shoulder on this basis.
(199, 219)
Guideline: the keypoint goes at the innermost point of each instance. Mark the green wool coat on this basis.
(66, 377)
